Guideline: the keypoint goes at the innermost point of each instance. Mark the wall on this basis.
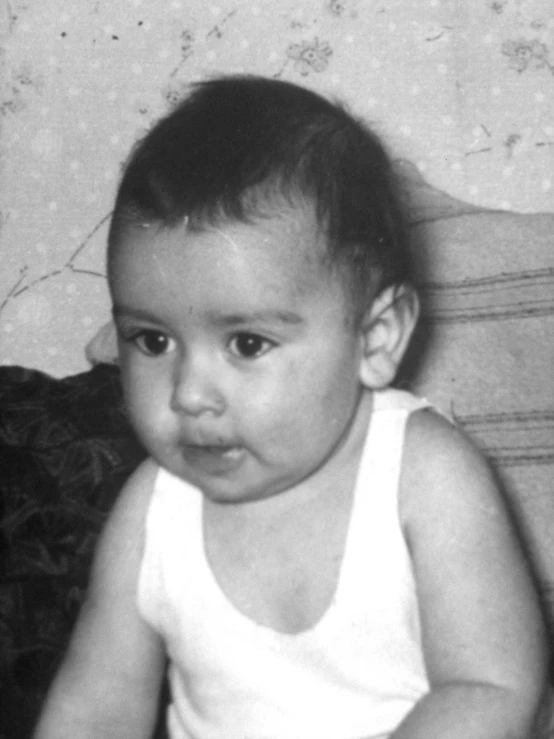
(464, 90)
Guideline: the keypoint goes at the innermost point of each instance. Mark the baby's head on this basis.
(239, 148)
(260, 277)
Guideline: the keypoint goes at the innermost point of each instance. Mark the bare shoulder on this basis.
(120, 548)
(442, 467)
(123, 537)
(480, 614)
(134, 498)
(452, 508)
(111, 599)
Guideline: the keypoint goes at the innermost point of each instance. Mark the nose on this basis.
(195, 390)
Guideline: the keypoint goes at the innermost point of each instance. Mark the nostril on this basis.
(196, 395)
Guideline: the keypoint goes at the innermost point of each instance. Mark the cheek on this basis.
(333, 390)
(309, 399)
(144, 397)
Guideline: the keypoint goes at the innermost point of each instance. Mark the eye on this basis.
(250, 346)
(153, 343)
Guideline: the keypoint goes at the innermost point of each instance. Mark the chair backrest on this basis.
(488, 299)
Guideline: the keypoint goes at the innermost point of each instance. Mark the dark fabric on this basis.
(66, 447)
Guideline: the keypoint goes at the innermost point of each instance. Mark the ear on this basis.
(385, 334)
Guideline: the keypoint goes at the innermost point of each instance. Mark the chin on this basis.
(229, 496)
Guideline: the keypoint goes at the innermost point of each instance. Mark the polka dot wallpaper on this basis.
(463, 90)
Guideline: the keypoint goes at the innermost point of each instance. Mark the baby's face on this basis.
(238, 359)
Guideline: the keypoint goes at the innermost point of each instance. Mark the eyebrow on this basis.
(122, 310)
(224, 319)
(257, 316)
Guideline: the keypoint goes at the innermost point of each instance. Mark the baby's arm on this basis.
(482, 631)
(108, 684)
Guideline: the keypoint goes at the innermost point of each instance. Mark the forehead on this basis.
(277, 258)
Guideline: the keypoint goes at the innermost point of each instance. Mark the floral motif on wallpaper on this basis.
(308, 56)
(524, 54)
(497, 6)
(18, 83)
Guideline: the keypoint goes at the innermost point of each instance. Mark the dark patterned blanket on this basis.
(66, 448)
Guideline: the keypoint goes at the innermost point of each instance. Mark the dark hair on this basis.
(237, 143)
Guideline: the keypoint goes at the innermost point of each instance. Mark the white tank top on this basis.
(356, 673)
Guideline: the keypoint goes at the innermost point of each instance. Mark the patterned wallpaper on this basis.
(465, 90)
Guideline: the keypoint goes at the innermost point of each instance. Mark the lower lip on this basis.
(212, 459)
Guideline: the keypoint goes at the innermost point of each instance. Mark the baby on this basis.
(317, 554)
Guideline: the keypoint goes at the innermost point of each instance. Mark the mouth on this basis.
(216, 459)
